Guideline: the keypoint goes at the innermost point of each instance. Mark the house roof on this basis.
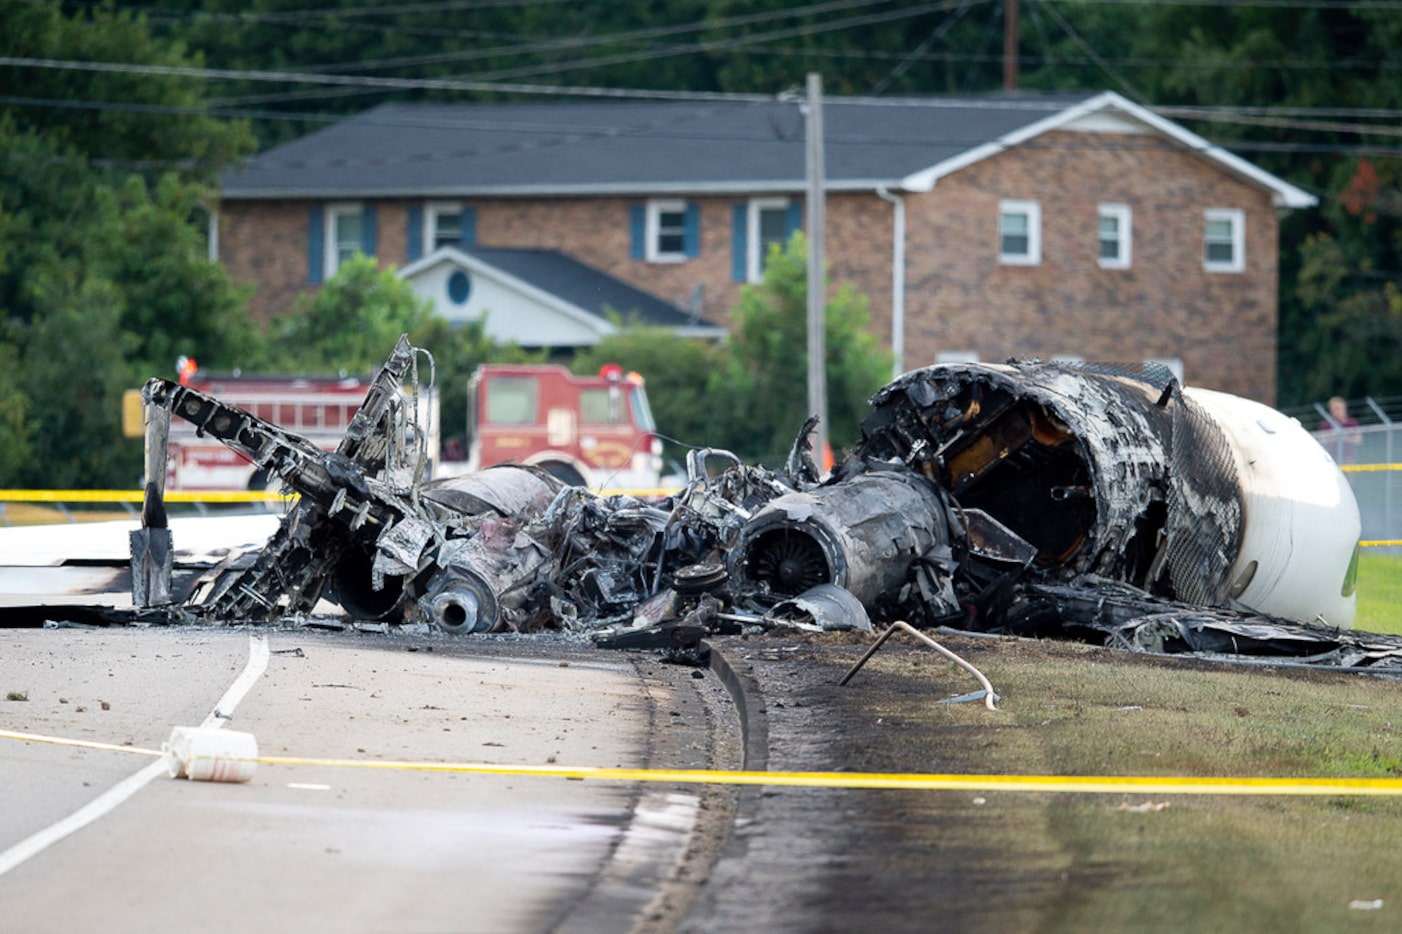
(674, 147)
(573, 289)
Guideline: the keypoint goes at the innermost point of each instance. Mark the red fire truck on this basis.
(594, 431)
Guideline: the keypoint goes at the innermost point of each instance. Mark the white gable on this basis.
(1110, 113)
(463, 288)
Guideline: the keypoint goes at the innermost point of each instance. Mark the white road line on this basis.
(258, 653)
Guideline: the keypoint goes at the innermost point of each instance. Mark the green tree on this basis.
(76, 367)
(117, 120)
(769, 360)
(177, 302)
(103, 266)
(15, 429)
(1354, 332)
(351, 324)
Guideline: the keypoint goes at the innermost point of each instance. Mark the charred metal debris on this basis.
(1033, 498)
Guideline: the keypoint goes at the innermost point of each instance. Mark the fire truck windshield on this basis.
(642, 414)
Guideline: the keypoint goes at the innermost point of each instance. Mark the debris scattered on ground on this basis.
(1092, 502)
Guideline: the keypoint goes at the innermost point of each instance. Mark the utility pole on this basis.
(1009, 45)
(817, 281)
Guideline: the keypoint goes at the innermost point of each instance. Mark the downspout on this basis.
(897, 280)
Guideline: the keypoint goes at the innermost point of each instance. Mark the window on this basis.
(768, 223)
(666, 231)
(345, 234)
(1019, 233)
(1224, 240)
(511, 400)
(446, 225)
(1114, 236)
(642, 412)
(602, 406)
(758, 224)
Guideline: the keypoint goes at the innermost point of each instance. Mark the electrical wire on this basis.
(636, 35)
(939, 32)
(1133, 93)
(1342, 5)
(674, 51)
(682, 125)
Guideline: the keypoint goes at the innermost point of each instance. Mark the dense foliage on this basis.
(113, 137)
(104, 275)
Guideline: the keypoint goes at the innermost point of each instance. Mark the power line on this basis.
(398, 84)
(1242, 115)
(721, 44)
(554, 135)
(939, 32)
(572, 42)
(1085, 46)
(1179, 63)
(1286, 123)
(457, 84)
(552, 68)
(1344, 5)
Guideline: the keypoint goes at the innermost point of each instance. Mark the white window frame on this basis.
(332, 253)
(1237, 218)
(653, 232)
(1033, 212)
(754, 250)
(431, 212)
(1124, 218)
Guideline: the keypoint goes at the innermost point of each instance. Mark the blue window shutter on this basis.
(795, 221)
(316, 244)
(691, 232)
(637, 221)
(414, 234)
(368, 238)
(739, 243)
(467, 236)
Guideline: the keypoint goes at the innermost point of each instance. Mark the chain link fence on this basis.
(1370, 455)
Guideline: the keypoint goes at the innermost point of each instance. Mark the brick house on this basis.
(1073, 226)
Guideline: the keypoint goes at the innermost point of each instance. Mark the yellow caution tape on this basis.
(80, 743)
(1082, 784)
(219, 496)
(136, 496)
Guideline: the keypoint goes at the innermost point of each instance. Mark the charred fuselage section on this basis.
(1103, 471)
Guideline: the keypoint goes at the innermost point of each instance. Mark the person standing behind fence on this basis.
(1343, 430)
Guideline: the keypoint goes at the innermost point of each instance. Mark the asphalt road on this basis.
(303, 847)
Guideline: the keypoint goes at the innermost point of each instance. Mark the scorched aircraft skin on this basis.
(1041, 498)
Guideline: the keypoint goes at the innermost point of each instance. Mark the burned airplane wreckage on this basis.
(1031, 498)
